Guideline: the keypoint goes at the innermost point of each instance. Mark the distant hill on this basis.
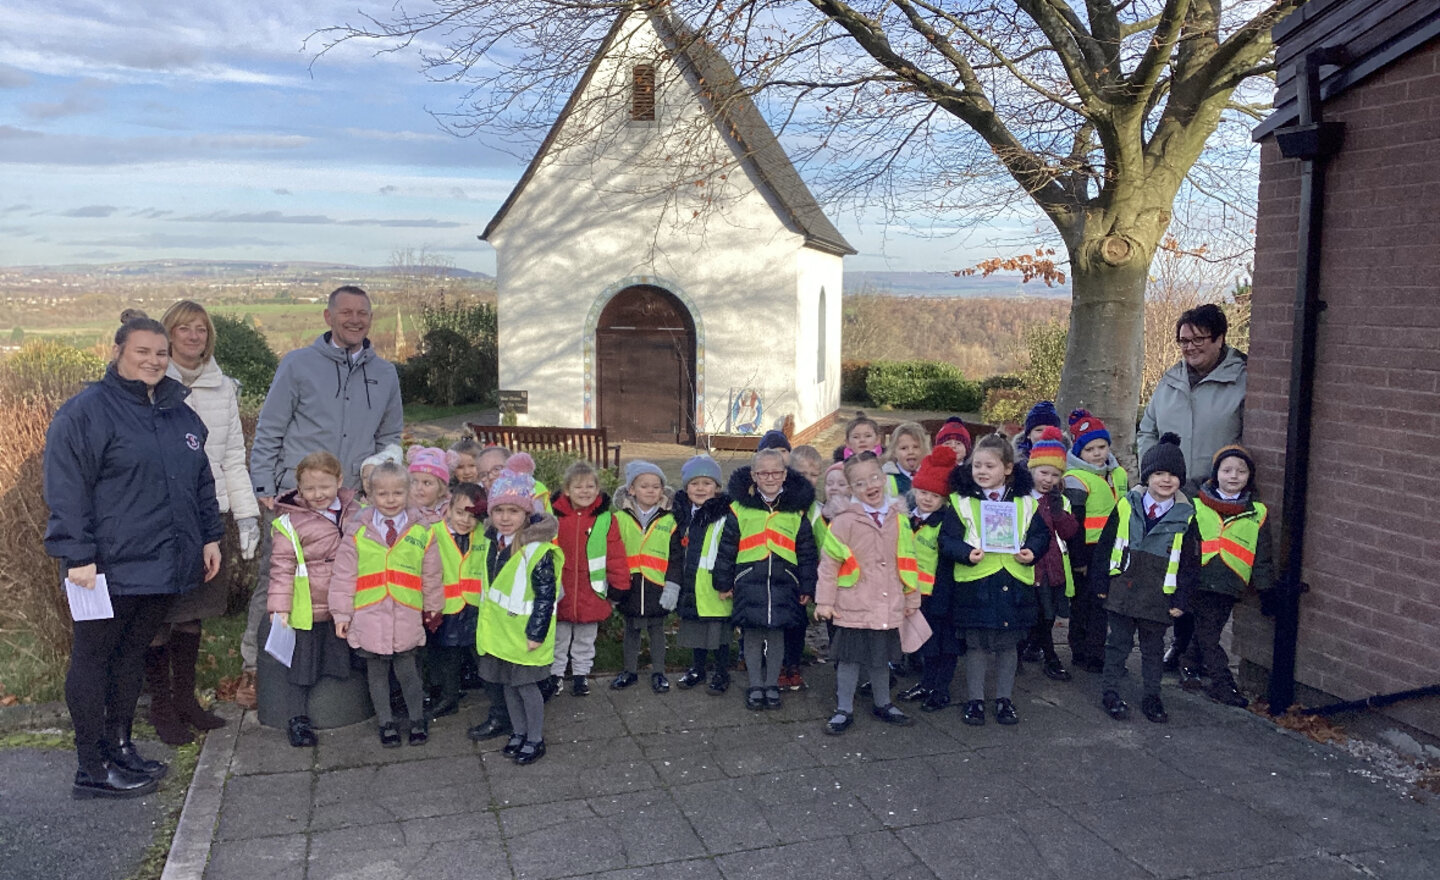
(947, 284)
(160, 270)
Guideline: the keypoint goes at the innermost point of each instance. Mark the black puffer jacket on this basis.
(643, 597)
(1138, 590)
(998, 601)
(542, 528)
(686, 544)
(129, 486)
(767, 593)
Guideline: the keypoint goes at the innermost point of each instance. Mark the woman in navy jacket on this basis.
(131, 497)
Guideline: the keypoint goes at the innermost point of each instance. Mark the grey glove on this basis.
(249, 528)
(670, 596)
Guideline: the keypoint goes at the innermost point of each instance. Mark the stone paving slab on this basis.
(686, 785)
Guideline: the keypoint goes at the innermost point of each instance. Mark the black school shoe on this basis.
(487, 729)
(121, 752)
(530, 753)
(1055, 670)
(300, 732)
(659, 683)
(719, 683)
(623, 681)
(691, 678)
(443, 709)
(974, 714)
(1032, 654)
(1005, 712)
(1154, 710)
(934, 702)
(891, 714)
(389, 735)
(579, 686)
(549, 687)
(754, 699)
(1227, 695)
(513, 744)
(1116, 707)
(839, 722)
(772, 698)
(913, 694)
(419, 733)
(116, 782)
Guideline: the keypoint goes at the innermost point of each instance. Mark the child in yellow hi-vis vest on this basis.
(309, 526)
(700, 510)
(461, 561)
(1054, 580)
(515, 633)
(642, 510)
(869, 593)
(1235, 551)
(939, 538)
(387, 582)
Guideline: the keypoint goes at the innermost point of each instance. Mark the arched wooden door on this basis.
(645, 367)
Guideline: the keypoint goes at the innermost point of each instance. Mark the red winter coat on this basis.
(581, 604)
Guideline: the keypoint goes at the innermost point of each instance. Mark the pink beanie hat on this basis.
(431, 460)
(515, 485)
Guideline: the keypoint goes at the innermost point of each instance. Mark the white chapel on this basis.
(662, 269)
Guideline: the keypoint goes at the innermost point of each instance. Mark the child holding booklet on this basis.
(309, 525)
(869, 593)
(994, 599)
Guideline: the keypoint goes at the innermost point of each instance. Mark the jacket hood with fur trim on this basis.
(623, 500)
(796, 494)
(543, 527)
(710, 512)
(962, 482)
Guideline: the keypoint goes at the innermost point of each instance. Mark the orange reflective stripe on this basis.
(850, 565)
(779, 540)
(1239, 551)
(1210, 546)
(755, 540)
(926, 578)
(404, 579)
(655, 562)
(1096, 522)
(370, 581)
(906, 563)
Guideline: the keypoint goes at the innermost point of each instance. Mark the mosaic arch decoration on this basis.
(592, 320)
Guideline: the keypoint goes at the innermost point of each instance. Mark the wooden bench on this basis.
(590, 444)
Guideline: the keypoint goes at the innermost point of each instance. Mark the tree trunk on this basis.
(1107, 327)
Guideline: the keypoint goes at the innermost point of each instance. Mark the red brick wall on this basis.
(1371, 623)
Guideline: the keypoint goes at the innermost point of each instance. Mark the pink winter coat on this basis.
(319, 540)
(387, 627)
(879, 600)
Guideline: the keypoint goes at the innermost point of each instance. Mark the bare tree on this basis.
(1092, 112)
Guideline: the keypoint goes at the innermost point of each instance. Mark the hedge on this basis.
(922, 385)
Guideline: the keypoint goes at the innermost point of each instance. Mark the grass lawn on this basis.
(424, 412)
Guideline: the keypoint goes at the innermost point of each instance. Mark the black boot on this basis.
(184, 654)
(115, 782)
(168, 726)
(301, 734)
(119, 751)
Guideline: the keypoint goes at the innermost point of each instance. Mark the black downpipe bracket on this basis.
(1313, 141)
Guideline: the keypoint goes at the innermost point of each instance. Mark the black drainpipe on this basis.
(1313, 141)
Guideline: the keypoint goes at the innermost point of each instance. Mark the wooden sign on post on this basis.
(514, 402)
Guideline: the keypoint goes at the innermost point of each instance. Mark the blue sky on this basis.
(203, 131)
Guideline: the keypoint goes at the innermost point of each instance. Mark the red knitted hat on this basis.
(934, 472)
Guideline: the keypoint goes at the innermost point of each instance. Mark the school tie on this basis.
(994, 496)
(390, 534)
(1154, 511)
(879, 520)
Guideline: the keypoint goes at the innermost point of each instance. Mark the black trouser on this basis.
(444, 667)
(107, 664)
(795, 644)
(1121, 641)
(1042, 636)
(1184, 633)
(1087, 626)
(1210, 612)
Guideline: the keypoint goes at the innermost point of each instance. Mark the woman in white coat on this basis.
(170, 661)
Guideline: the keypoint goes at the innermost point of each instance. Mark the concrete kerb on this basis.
(31, 717)
(190, 848)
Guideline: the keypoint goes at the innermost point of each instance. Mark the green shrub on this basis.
(244, 355)
(550, 468)
(44, 368)
(1039, 380)
(1005, 381)
(921, 385)
(450, 370)
(852, 381)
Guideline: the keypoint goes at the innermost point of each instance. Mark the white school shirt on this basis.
(400, 519)
(1162, 507)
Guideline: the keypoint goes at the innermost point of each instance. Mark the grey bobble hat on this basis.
(640, 467)
(700, 466)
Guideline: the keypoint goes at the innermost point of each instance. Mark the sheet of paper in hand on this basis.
(89, 604)
(999, 527)
(281, 642)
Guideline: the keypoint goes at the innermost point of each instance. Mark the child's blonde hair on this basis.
(861, 419)
(390, 469)
(322, 461)
(914, 431)
(806, 453)
(575, 471)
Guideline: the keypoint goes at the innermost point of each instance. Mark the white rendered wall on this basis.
(817, 399)
(597, 212)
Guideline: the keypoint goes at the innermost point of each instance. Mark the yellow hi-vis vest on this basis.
(905, 560)
(507, 603)
(1100, 498)
(1119, 560)
(969, 512)
(927, 555)
(302, 613)
(648, 549)
(542, 494)
(596, 544)
(464, 572)
(831, 546)
(707, 601)
(763, 532)
(1233, 539)
(393, 572)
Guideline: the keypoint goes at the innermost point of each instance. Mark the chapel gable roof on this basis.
(739, 121)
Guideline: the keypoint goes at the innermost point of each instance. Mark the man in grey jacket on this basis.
(337, 395)
(1202, 398)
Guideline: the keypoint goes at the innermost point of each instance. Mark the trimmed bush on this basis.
(245, 356)
(921, 385)
(852, 381)
(550, 468)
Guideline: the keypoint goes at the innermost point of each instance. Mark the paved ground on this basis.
(687, 785)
